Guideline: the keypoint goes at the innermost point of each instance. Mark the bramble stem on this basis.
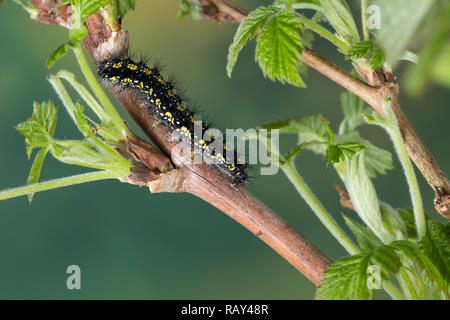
(57, 183)
(115, 117)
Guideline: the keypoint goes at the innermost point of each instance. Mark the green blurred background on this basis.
(131, 244)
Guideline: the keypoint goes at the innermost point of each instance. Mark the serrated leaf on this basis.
(428, 281)
(377, 160)
(361, 49)
(339, 152)
(40, 127)
(367, 240)
(377, 59)
(248, 29)
(188, 8)
(345, 279)
(436, 246)
(279, 46)
(36, 168)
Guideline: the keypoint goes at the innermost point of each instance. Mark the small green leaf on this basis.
(377, 160)
(188, 8)
(36, 168)
(248, 29)
(377, 59)
(361, 49)
(279, 46)
(367, 240)
(40, 127)
(60, 52)
(410, 225)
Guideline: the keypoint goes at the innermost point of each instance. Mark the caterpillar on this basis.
(169, 108)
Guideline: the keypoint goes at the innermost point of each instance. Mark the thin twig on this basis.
(372, 93)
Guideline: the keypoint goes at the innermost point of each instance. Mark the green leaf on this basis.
(36, 168)
(367, 240)
(393, 222)
(279, 46)
(377, 59)
(312, 128)
(59, 52)
(340, 17)
(400, 21)
(82, 154)
(291, 154)
(40, 127)
(428, 281)
(338, 152)
(89, 7)
(363, 196)
(361, 49)
(188, 8)
(347, 278)
(408, 220)
(436, 246)
(75, 38)
(377, 160)
(248, 29)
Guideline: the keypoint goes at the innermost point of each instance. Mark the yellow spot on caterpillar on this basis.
(141, 84)
(168, 114)
(118, 65)
(170, 93)
(158, 102)
(132, 66)
(127, 80)
(160, 79)
(192, 118)
(179, 107)
(147, 71)
(113, 78)
(151, 90)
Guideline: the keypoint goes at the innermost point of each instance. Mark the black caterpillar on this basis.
(168, 108)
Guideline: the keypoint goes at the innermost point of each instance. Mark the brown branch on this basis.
(203, 180)
(380, 84)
